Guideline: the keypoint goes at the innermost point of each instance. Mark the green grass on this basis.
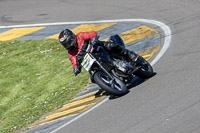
(35, 78)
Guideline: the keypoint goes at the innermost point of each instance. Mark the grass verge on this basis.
(35, 78)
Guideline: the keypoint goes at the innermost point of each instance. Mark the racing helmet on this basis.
(67, 39)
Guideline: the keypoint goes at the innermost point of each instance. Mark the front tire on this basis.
(117, 87)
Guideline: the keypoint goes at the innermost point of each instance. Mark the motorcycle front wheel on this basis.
(116, 87)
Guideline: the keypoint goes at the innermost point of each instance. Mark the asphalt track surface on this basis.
(167, 103)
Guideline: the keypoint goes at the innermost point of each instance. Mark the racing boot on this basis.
(130, 54)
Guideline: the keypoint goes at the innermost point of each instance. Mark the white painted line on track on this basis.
(167, 41)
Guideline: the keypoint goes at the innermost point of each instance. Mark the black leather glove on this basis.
(77, 71)
(94, 40)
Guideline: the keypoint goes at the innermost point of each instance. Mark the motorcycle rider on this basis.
(77, 45)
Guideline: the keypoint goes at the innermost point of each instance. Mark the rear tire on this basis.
(117, 87)
(146, 70)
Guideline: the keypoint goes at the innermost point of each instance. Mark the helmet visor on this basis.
(70, 43)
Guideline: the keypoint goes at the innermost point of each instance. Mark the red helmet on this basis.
(67, 39)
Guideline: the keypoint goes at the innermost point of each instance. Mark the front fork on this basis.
(102, 68)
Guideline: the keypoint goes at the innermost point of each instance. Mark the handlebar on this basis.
(91, 45)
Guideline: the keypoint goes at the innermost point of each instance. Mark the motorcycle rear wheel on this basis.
(146, 70)
(117, 87)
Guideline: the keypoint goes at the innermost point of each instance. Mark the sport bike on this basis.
(111, 71)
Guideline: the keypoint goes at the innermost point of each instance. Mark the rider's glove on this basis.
(94, 40)
(76, 71)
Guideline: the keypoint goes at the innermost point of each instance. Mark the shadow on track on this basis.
(135, 82)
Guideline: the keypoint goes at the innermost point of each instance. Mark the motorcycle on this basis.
(113, 72)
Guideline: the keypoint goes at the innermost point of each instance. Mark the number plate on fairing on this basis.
(87, 62)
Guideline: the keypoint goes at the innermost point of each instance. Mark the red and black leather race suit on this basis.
(76, 55)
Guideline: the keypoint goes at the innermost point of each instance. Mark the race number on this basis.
(87, 62)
